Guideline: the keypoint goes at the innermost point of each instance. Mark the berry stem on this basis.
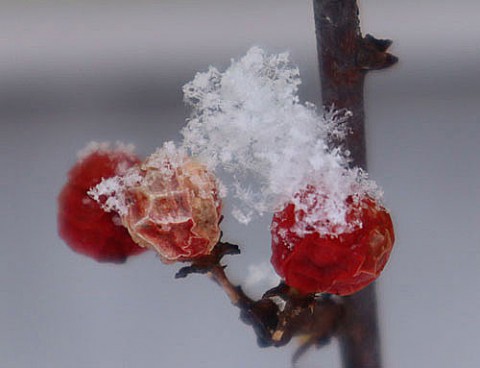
(317, 318)
(345, 57)
(234, 293)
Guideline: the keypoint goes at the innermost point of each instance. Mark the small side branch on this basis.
(281, 313)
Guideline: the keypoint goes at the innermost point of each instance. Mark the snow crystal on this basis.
(166, 162)
(248, 124)
(166, 158)
(110, 193)
(105, 147)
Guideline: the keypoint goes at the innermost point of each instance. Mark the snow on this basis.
(105, 147)
(109, 193)
(166, 159)
(167, 162)
(248, 124)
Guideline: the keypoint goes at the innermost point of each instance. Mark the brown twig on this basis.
(280, 314)
(344, 57)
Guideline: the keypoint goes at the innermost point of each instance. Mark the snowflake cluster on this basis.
(110, 192)
(249, 125)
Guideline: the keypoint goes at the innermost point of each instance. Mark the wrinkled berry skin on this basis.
(340, 265)
(175, 210)
(82, 223)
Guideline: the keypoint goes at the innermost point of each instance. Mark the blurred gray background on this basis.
(72, 72)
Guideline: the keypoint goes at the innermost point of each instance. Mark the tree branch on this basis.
(344, 58)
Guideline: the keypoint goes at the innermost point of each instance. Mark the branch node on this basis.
(206, 263)
(372, 54)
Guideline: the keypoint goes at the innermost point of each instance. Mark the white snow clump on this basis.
(249, 124)
(110, 193)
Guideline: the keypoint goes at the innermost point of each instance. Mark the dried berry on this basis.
(82, 223)
(337, 263)
(175, 207)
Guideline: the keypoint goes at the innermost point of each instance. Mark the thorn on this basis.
(372, 54)
(390, 60)
(226, 248)
(281, 290)
(182, 273)
(185, 271)
(380, 44)
(263, 343)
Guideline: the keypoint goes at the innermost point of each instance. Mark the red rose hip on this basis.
(175, 208)
(82, 223)
(340, 263)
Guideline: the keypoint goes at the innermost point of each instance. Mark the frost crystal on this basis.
(110, 193)
(248, 123)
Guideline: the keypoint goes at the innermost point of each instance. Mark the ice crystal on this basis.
(110, 193)
(166, 161)
(249, 124)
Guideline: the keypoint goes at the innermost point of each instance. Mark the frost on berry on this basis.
(82, 223)
(170, 203)
(338, 263)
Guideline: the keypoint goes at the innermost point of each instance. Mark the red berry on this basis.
(82, 223)
(339, 264)
(175, 209)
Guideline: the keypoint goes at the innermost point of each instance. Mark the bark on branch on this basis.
(345, 57)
